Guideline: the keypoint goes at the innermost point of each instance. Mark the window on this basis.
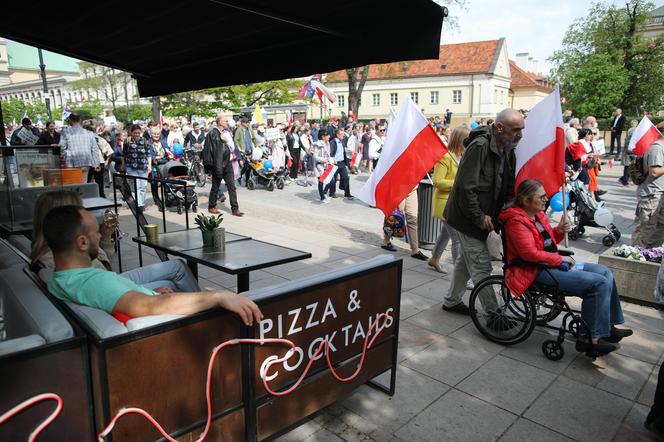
(433, 97)
(394, 99)
(415, 96)
(341, 100)
(456, 96)
(375, 99)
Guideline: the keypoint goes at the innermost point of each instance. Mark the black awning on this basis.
(189, 45)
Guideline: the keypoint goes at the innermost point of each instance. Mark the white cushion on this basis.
(148, 321)
(103, 324)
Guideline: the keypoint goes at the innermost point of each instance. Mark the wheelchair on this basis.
(507, 318)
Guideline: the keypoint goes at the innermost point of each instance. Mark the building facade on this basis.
(473, 80)
(20, 78)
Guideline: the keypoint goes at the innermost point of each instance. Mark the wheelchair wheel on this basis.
(553, 350)
(546, 309)
(499, 315)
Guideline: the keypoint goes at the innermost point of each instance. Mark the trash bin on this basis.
(428, 227)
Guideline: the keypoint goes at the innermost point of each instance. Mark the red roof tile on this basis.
(523, 78)
(454, 59)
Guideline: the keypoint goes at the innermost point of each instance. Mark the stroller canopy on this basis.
(173, 168)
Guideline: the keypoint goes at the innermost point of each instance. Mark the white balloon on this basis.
(603, 217)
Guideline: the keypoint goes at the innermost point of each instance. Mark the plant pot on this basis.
(208, 238)
(219, 239)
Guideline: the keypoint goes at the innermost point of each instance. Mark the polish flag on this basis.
(540, 154)
(323, 90)
(411, 149)
(644, 135)
(355, 161)
(328, 174)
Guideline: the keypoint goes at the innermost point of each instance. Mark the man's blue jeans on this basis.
(173, 274)
(595, 285)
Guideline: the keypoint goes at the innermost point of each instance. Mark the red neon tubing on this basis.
(29, 403)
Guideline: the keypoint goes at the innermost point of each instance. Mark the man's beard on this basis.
(508, 142)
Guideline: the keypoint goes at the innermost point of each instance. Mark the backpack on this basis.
(636, 171)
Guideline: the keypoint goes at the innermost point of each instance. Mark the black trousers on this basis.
(656, 415)
(295, 157)
(228, 176)
(615, 136)
(343, 177)
(98, 178)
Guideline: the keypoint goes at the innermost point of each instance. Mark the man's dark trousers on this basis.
(229, 179)
(342, 175)
(615, 135)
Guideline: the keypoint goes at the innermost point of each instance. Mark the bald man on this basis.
(484, 183)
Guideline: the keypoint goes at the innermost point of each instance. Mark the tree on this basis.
(89, 109)
(13, 110)
(136, 112)
(246, 95)
(190, 103)
(106, 83)
(357, 77)
(613, 38)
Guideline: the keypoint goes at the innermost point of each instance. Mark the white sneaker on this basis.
(470, 285)
(325, 201)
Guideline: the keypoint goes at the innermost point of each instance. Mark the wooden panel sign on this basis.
(341, 312)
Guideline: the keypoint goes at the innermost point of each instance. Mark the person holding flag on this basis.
(648, 142)
(325, 168)
(484, 184)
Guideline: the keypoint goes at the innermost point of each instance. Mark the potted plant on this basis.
(208, 226)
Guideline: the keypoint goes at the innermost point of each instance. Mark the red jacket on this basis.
(524, 241)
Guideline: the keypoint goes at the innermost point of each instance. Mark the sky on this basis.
(533, 26)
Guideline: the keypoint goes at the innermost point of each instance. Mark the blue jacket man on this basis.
(338, 152)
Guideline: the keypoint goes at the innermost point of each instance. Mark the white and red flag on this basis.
(328, 174)
(411, 149)
(357, 158)
(644, 135)
(540, 154)
(321, 90)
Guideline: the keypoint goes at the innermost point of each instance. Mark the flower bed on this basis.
(635, 275)
(640, 253)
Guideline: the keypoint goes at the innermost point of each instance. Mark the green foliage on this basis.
(13, 110)
(605, 53)
(186, 104)
(136, 112)
(106, 82)
(208, 223)
(595, 87)
(88, 110)
(268, 92)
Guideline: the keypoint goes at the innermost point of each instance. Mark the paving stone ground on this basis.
(452, 384)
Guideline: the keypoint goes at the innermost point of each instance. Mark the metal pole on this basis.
(3, 139)
(42, 68)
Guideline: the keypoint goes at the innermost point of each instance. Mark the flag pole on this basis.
(565, 207)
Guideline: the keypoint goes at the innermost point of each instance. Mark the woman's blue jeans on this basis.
(140, 185)
(594, 284)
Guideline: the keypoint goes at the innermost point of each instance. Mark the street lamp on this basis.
(42, 68)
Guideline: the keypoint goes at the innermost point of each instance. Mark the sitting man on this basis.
(73, 236)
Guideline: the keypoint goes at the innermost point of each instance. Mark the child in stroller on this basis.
(177, 196)
(260, 170)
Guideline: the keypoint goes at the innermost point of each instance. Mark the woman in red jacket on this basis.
(530, 237)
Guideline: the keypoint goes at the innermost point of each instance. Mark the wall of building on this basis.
(527, 98)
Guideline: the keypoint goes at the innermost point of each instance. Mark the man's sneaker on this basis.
(600, 192)
(333, 196)
(460, 308)
(349, 197)
(324, 200)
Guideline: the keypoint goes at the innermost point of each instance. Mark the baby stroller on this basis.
(260, 171)
(195, 168)
(585, 208)
(178, 196)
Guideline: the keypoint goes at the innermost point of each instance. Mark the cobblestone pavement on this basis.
(452, 384)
